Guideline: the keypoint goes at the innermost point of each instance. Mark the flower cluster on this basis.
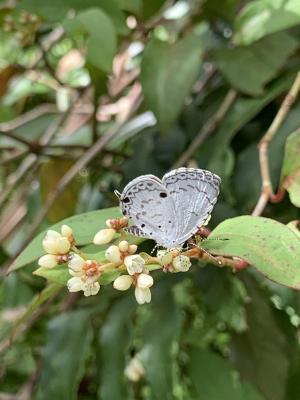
(121, 256)
(173, 261)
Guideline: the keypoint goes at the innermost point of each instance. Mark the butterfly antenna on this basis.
(208, 254)
(118, 194)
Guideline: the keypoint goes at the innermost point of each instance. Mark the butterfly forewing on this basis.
(150, 207)
(195, 193)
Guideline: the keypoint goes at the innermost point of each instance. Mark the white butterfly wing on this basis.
(195, 193)
(147, 203)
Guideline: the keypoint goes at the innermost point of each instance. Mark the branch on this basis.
(207, 128)
(20, 139)
(267, 192)
(82, 162)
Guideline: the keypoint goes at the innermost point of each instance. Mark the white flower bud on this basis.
(67, 232)
(142, 295)
(48, 261)
(104, 236)
(134, 370)
(144, 281)
(132, 248)
(181, 263)
(76, 264)
(62, 245)
(164, 257)
(91, 289)
(113, 254)
(75, 284)
(52, 235)
(123, 245)
(49, 242)
(134, 264)
(123, 282)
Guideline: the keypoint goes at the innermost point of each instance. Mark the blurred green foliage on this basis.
(147, 77)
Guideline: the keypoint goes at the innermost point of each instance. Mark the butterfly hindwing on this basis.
(195, 193)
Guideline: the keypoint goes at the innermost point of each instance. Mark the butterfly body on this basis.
(172, 209)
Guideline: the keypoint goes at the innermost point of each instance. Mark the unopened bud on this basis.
(123, 245)
(132, 248)
(104, 236)
(47, 261)
(123, 282)
(113, 254)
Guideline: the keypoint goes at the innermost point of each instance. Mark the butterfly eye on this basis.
(163, 194)
(126, 200)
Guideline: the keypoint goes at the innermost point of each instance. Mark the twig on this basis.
(13, 157)
(267, 192)
(84, 160)
(27, 117)
(30, 163)
(94, 117)
(207, 128)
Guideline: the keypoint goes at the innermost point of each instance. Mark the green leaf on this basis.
(102, 39)
(84, 226)
(68, 343)
(290, 174)
(212, 378)
(113, 343)
(167, 75)
(49, 174)
(271, 247)
(242, 111)
(260, 18)
(261, 353)
(56, 10)
(249, 68)
(160, 333)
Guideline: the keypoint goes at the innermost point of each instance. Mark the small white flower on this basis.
(134, 264)
(164, 257)
(134, 371)
(48, 261)
(76, 264)
(181, 263)
(113, 254)
(104, 236)
(123, 245)
(91, 288)
(142, 295)
(123, 282)
(75, 284)
(144, 281)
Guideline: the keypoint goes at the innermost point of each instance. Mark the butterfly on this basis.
(172, 209)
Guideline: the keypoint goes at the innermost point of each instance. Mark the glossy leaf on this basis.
(212, 378)
(68, 342)
(271, 247)
(57, 10)
(84, 226)
(159, 334)
(290, 174)
(249, 68)
(242, 111)
(168, 73)
(261, 354)
(113, 342)
(101, 36)
(262, 17)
